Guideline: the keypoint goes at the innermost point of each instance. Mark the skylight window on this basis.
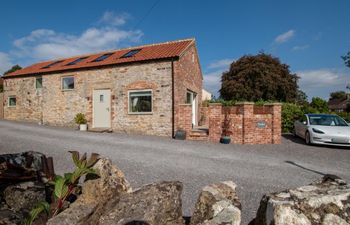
(52, 64)
(102, 57)
(76, 61)
(131, 53)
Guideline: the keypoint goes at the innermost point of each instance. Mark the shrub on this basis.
(80, 119)
(290, 113)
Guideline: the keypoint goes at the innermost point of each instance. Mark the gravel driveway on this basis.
(257, 169)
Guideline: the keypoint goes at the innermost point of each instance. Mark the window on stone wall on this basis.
(12, 101)
(38, 82)
(140, 101)
(67, 83)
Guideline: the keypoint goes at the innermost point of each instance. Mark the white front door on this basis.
(102, 108)
(191, 99)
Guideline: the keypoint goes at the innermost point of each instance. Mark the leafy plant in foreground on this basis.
(65, 186)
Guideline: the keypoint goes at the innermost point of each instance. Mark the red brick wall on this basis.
(1, 104)
(243, 123)
(184, 112)
(187, 76)
(204, 116)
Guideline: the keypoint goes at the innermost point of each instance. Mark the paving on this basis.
(257, 169)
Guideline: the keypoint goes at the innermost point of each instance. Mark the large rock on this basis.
(154, 204)
(95, 194)
(24, 196)
(218, 204)
(322, 202)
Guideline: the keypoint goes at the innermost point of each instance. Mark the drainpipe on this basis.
(173, 99)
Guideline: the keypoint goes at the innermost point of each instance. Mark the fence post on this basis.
(215, 122)
(276, 110)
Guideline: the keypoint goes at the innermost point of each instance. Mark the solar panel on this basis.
(52, 64)
(76, 61)
(102, 57)
(131, 53)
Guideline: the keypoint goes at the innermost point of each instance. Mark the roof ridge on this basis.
(118, 49)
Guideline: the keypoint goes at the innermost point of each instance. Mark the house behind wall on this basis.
(168, 78)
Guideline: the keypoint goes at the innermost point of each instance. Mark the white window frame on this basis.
(41, 82)
(8, 101)
(62, 83)
(140, 113)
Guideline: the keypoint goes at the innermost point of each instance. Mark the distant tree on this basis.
(346, 59)
(13, 69)
(341, 95)
(301, 98)
(319, 104)
(259, 77)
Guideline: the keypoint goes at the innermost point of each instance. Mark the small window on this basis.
(12, 101)
(131, 53)
(52, 64)
(67, 83)
(38, 82)
(102, 57)
(101, 98)
(140, 101)
(76, 61)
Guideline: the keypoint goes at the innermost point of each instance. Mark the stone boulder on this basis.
(218, 204)
(24, 196)
(322, 202)
(95, 193)
(154, 204)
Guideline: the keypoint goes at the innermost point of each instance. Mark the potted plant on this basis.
(81, 121)
(226, 132)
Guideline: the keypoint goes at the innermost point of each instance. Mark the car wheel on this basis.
(307, 138)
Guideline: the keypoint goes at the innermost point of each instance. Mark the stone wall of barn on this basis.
(53, 106)
(1, 105)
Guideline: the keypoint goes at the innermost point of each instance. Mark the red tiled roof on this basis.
(148, 52)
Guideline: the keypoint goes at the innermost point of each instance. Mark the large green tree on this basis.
(259, 77)
(13, 69)
(341, 95)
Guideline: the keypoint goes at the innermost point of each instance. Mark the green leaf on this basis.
(68, 177)
(61, 188)
(36, 211)
(75, 157)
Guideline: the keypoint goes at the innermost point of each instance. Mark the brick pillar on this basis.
(248, 125)
(215, 122)
(276, 109)
(184, 118)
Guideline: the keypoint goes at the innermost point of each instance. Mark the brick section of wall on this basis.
(215, 122)
(248, 124)
(188, 76)
(184, 112)
(1, 105)
(53, 106)
(204, 117)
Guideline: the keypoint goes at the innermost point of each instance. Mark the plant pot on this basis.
(83, 127)
(225, 140)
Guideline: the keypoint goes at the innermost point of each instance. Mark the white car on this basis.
(323, 129)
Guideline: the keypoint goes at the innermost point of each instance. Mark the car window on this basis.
(327, 120)
(303, 119)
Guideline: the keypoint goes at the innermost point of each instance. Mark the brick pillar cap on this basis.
(245, 103)
(274, 103)
(214, 104)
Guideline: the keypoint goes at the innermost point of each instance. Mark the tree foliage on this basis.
(259, 77)
(319, 104)
(340, 95)
(346, 59)
(13, 69)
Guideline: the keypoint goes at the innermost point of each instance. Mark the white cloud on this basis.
(114, 19)
(284, 37)
(43, 44)
(300, 47)
(212, 82)
(321, 82)
(5, 63)
(223, 63)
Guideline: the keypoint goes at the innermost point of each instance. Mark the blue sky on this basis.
(310, 36)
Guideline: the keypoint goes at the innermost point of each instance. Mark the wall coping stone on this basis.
(245, 103)
(213, 104)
